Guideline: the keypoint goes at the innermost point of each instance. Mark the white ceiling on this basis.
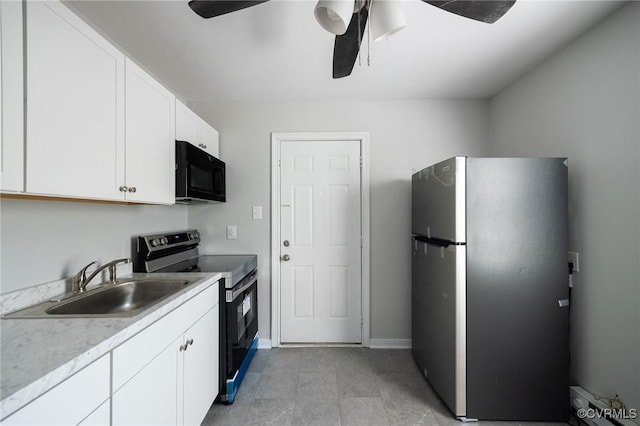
(276, 51)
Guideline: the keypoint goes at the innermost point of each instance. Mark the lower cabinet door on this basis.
(201, 367)
(100, 417)
(151, 396)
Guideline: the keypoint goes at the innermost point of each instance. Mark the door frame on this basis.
(365, 256)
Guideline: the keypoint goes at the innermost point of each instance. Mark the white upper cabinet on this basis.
(11, 96)
(193, 129)
(75, 108)
(186, 124)
(209, 138)
(149, 138)
(98, 126)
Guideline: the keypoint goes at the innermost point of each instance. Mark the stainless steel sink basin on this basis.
(123, 299)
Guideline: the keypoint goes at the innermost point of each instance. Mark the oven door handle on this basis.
(232, 295)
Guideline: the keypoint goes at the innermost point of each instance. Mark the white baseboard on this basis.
(264, 343)
(390, 343)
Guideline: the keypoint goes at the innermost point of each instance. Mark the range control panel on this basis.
(148, 244)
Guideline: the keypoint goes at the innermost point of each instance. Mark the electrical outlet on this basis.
(574, 258)
(232, 232)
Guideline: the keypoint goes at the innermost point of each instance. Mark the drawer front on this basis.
(69, 402)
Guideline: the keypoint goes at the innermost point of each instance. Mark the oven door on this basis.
(241, 322)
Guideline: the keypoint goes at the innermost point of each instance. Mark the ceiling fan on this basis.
(348, 19)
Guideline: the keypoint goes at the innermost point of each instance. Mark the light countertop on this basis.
(38, 354)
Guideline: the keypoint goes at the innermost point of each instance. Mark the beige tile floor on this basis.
(335, 386)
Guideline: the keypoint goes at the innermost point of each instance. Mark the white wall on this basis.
(404, 135)
(42, 241)
(583, 103)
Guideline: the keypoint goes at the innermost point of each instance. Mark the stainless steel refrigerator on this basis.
(490, 314)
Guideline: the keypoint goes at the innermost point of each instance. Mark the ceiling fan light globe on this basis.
(334, 15)
(386, 19)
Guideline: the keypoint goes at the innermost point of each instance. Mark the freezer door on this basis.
(438, 327)
(438, 200)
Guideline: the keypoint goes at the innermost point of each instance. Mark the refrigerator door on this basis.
(517, 329)
(438, 312)
(438, 201)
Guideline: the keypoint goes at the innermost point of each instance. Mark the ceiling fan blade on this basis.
(347, 45)
(480, 10)
(211, 8)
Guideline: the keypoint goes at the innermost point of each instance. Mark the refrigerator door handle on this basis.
(433, 241)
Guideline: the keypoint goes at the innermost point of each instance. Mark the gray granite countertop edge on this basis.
(22, 382)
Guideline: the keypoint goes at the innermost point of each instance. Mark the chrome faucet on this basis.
(81, 280)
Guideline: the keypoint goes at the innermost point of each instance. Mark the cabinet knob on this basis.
(123, 188)
(183, 348)
(132, 189)
(189, 342)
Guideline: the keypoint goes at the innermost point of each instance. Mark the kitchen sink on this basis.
(122, 299)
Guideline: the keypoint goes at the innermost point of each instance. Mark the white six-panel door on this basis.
(320, 242)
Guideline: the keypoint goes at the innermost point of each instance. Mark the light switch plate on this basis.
(232, 232)
(257, 212)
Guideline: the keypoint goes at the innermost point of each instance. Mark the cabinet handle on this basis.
(186, 345)
(132, 189)
(123, 188)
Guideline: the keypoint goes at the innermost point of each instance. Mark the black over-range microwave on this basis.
(200, 177)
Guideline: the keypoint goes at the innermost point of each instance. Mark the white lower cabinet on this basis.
(151, 396)
(168, 373)
(200, 368)
(100, 417)
(165, 375)
(71, 401)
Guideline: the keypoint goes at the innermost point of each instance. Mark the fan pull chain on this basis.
(369, 38)
(359, 41)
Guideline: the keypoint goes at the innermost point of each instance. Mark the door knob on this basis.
(286, 257)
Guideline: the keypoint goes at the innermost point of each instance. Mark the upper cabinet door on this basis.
(150, 138)
(11, 95)
(75, 108)
(186, 124)
(193, 129)
(209, 139)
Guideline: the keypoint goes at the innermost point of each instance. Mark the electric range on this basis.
(178, 252)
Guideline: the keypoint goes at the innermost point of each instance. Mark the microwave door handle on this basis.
(232, 295)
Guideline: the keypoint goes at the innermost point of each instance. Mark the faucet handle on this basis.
(112, 267)
(81, 277)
